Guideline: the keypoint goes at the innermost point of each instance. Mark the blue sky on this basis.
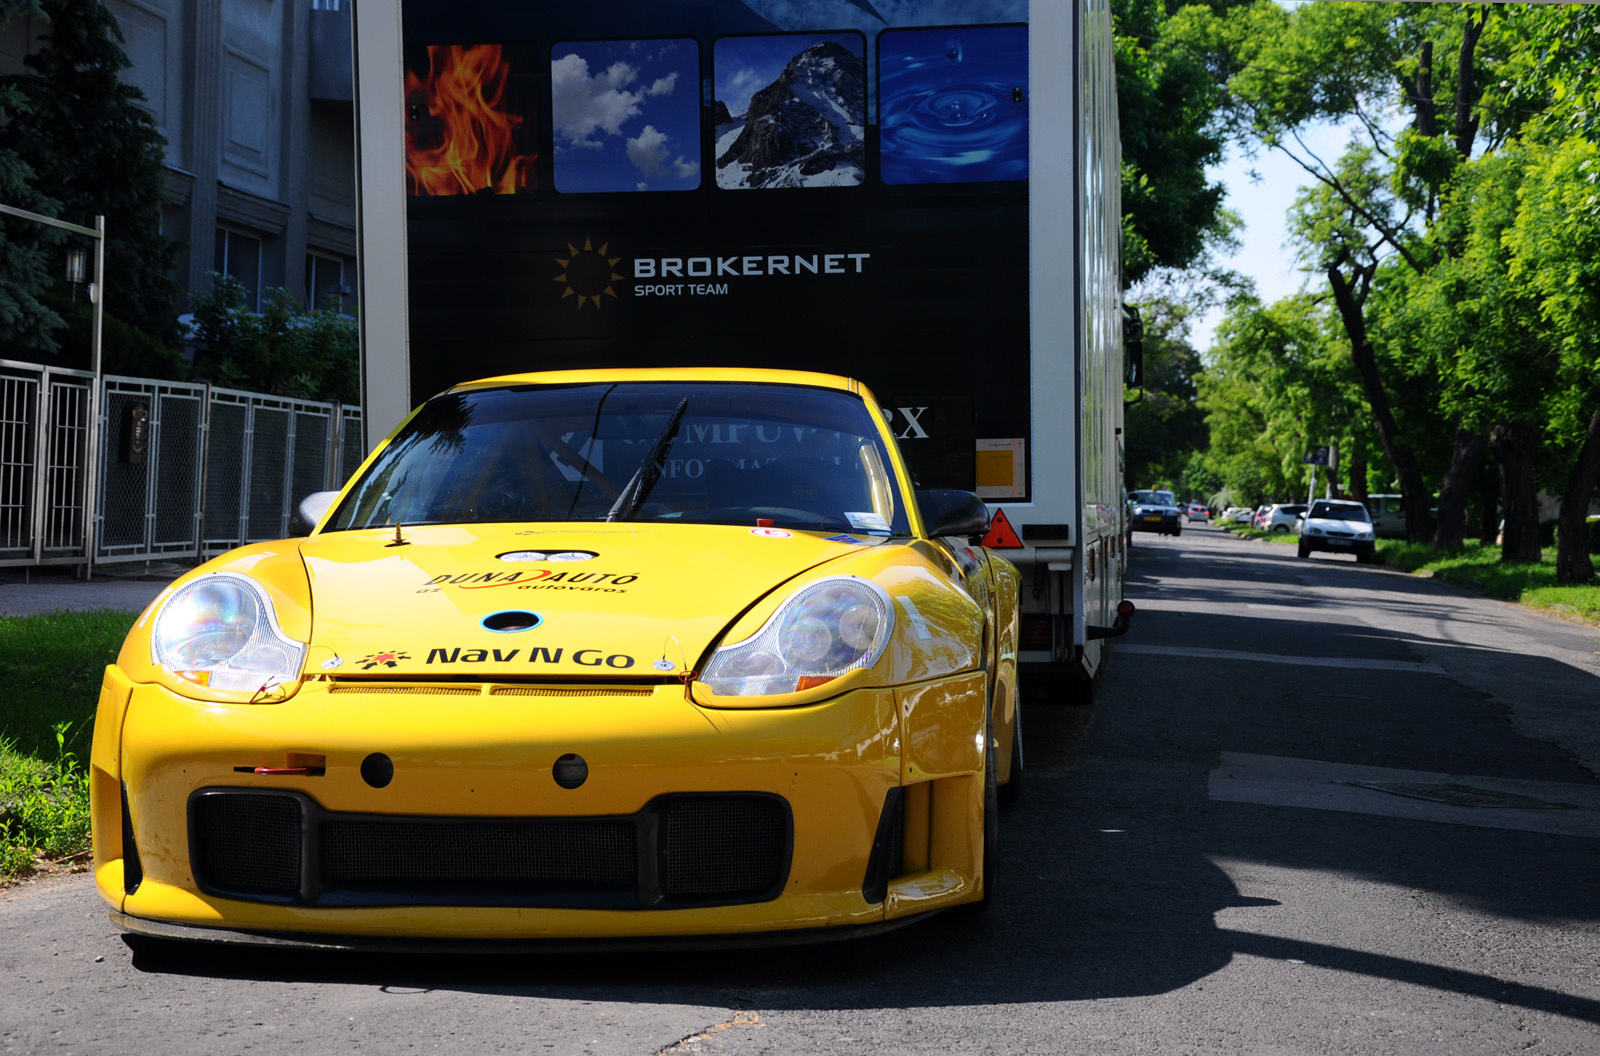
(745, 65)
(1263, 202)
(626, 115)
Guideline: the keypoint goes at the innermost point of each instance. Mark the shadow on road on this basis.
(1110, 885)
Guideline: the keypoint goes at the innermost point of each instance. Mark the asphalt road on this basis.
(1316, 808)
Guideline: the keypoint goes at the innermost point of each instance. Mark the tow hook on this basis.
(1119, 626)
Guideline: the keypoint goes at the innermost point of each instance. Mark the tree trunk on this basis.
(1513, 454)
(1489, 515)
(1451, 530)
(1573, 564)
(1413, 493)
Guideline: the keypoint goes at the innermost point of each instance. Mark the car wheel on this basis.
(1305, 551)
(1281, 529)
(1011, 791)
(1365, 557)
(1177, 529)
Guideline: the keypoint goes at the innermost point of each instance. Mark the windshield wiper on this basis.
(644, 478)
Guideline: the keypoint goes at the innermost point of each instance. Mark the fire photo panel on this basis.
(471, 114)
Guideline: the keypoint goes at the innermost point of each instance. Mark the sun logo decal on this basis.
(386, 659)
(587, 273)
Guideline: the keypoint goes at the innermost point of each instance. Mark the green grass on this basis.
(1478, 566)
(50, 671)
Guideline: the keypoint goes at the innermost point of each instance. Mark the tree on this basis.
(1276, 386)
(1287, 71)
(85, 137)
(283, 350)
(1166, 426)
(1167, 102)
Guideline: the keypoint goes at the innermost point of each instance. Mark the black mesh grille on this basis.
(249, 844)
(678, 850)
(723, 847)
(584, 854)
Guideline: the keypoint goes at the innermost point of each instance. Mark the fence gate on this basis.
(191, 471)
(45, 425)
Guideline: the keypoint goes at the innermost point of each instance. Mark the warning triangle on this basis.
(1001, 536)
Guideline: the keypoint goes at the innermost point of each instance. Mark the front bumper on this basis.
(1336, 544)
(875, 797)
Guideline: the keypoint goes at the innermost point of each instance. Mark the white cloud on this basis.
(664, 85)
(648, 151)
(583, 105)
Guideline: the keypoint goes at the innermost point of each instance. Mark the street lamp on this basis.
(77, 264)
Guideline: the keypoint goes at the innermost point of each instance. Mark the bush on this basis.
(285, 350)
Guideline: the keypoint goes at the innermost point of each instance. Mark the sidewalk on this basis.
(40, 591)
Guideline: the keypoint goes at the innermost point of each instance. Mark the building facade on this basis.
(254, 98)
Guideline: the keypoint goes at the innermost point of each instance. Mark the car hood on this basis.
(638, 600)
(1337, 524)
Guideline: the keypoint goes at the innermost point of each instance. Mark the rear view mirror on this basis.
(947, 511)
(1132, 347)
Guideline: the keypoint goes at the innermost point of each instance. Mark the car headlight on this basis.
(831, 627)
(1312, 529)
(220, 631)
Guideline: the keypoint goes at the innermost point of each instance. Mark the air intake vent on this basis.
(483, 855)
(723, 847)
(680, 850)
(246, 843)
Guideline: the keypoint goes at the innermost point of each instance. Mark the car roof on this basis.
(756, 375)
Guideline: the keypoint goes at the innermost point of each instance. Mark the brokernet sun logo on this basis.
(588, 273)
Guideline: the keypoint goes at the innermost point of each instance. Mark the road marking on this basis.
(1483, 802)
(1347, 663)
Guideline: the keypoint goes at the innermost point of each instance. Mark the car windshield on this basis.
(701, 453)
(1153, 498)
(1340, 511)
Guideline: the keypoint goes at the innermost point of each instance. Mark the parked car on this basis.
(1281, 517)
(504, 691)
(1389, 516)
(1238, 515)
(1259, 520)
(1338, 527)
(1154, 510)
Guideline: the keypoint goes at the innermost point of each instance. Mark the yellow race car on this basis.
(597, 655)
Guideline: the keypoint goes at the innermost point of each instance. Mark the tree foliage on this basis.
(1167, 102)
(1456, 240)
(84, 139)
(284, 350)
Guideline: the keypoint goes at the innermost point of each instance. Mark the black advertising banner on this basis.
(834, 185)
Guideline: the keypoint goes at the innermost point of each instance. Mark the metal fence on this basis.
(182, 469)
(216, 468)
(44, 463)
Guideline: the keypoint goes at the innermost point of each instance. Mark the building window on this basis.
(239, 255)
(327, 285)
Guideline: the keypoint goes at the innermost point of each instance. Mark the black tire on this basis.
(1011, 791)
(1365, 557)
(1305, 551)
(1281, 529)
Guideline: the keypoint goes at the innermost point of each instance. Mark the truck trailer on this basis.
(922, 194)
